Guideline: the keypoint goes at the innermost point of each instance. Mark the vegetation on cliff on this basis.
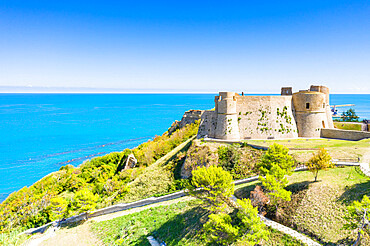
(97, 183)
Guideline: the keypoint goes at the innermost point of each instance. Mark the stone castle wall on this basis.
(265, 117)
(291, 115)
(344, 134)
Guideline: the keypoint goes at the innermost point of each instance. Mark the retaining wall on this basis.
(344, 134)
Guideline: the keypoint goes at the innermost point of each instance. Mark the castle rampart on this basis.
(291, 115)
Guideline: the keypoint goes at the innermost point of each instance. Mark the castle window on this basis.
(323, 105)
(307, 105)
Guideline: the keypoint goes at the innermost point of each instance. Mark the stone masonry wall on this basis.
(344, 134)
(266, 117)
(257, 117)
(207, 125)
(291, 115)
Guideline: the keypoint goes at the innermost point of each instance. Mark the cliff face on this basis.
(189, 117)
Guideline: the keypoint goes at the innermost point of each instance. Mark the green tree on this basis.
(219, 229)
(350, 115)
(276, 160)
(85, 200)
(251, 228)
(57, 208)
(275, 188)
(275, 165)
(358, 218)
(213, 185)
(319, 161)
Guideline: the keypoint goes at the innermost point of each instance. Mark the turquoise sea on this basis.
(39, 133)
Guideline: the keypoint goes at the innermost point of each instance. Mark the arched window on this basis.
(307, 105)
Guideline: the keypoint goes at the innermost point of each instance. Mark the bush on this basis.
(251, 228)
(85, 200)
(277, 160)
(358, 218)
(57, 208)
(97, 182)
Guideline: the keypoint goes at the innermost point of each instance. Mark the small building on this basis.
(290, 115)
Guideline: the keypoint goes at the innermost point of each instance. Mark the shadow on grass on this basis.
(72, 225)
(355, 193)
(183, 226)
(244, 192)
(288, 208)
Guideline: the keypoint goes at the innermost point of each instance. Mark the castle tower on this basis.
(325, 90)
(227, 121)
(286, 91)
(312, 111)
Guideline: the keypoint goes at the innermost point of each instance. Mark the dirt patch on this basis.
(198, 155)
(79, 235)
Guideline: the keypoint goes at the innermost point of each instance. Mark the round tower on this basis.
(310, 113)
(227, 121)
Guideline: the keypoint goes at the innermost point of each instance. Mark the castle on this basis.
(290, 115)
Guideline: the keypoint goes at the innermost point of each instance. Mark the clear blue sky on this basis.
(255, 46)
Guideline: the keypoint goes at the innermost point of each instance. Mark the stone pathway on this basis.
(289, 231)
(37, 239)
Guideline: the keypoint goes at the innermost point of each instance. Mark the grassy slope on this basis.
(348, 126)
(176, 224)
(336, 148)
(12, 238)
(155, 179)
(318, 208)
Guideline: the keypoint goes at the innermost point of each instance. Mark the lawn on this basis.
(302, 148)
(318, 208)
(348, 126)
(176, 224)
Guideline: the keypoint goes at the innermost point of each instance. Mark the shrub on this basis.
(219, 229)
(85, 200)
(57, 208)
(277, 160)
(358, 217)
(251, 228)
